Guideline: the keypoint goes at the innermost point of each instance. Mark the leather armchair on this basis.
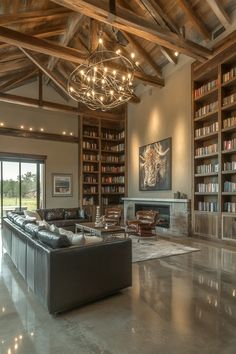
(144, 224)
(113, 215)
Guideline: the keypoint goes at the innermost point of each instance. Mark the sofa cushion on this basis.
(75, 239)
(21, 221)
(71, 213)
(54, 228)
(89, 240)
(54, 214)
(32, 229)
(43, 225)
(53, 240)
(32, 214)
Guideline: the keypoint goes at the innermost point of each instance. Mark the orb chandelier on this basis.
(104, 81)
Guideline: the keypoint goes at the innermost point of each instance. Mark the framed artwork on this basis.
(155, 166)
(61, 185)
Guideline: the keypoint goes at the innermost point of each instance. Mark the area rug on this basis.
(150, 249)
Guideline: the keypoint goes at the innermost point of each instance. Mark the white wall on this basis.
(163, 113)
(61, 157)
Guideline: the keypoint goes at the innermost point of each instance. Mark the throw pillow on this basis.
(43, 225)
(71, 213)
(30, 218)
(32, 214)
(75, 239)
(54, 228)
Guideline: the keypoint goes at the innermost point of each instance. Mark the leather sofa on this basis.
(63, 217)
(61, 276)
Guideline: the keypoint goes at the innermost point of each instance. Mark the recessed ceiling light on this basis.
(176, 54)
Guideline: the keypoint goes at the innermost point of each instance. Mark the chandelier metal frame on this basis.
(104, 81)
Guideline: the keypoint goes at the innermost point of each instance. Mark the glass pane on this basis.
(11, 200)
(42, 187)
(28, 186)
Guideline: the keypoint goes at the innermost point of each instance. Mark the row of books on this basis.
(230, 207)
(91, 133)
(229, 122)
(205, 150)
(111, 159)
(90, 190)
(208, 206)
(113, 179)
(229, 75)
(207, 168)
(207, 130)
(205, 88)
(208, 187)
(229, 166)
(229, 144)
(113, 189)
(229, 99)
(109, 201)
(229, 186)
(89, 168)
(113, 169)
(90, 179)
(116, 148)
(90, 145)
(91, 157)
(211, 107)
(113, 135)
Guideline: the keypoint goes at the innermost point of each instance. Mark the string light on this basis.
(1, 124)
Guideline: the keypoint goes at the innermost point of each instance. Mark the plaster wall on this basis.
(163, 113)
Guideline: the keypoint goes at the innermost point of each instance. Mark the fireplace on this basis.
(164, 213)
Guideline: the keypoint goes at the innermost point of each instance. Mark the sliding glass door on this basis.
(22, 185)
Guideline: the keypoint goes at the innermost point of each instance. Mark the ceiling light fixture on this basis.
(104, 81)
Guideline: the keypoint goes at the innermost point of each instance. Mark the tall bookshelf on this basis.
(214, 151)
(103, 157)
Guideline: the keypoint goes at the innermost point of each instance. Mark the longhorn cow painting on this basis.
(155, 166)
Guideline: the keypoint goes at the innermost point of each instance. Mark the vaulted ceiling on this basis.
(55, 36)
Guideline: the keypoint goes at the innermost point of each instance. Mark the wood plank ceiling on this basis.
(54, 36)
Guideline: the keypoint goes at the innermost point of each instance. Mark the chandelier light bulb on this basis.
(101, 79)
(137, 63)
(132, 55)
(176, 54)
(100, 41)
(22, 127)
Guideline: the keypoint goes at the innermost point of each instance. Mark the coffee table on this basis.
(89, 227)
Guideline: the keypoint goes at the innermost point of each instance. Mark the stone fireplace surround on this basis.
(179, 213)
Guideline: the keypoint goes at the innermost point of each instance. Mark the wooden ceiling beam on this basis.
(169, 54)
(218, 9)
(57, 31)
(195, 20)
(74, 24)
(47, 72)
(93, 38)
(159, 15)
(39, 45)
(19, 39)
(33, 16)
(143, 53)
(17, 79)
(57, 107)
(125, 20)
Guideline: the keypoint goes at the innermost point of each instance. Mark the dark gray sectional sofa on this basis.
(63, 217)
(62, 276)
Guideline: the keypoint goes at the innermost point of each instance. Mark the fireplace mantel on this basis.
(179, 213)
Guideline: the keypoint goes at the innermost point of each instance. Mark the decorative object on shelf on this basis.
(61, 185)
(104, 81)
(179, 195)
(155, 166)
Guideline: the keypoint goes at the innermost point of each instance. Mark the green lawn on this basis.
(12, 203)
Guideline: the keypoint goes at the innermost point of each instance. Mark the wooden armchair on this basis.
(144, 224)
(113, 215)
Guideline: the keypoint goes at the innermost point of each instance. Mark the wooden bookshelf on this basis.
(214, 150)
(103, 163)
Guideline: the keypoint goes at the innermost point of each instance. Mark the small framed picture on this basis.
(61, 185)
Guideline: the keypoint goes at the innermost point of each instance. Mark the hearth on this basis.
(164, 213)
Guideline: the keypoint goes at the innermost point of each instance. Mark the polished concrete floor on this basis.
(178, 305)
